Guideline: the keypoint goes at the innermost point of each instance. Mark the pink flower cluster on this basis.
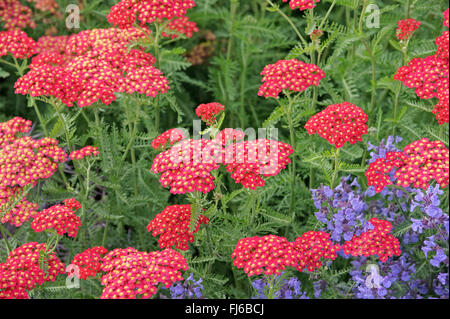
(124, 13)
(91, 66)
(15, 15)
(61, 218)
(430, 77)
(173, 224)
(209, 112)
(84, 152)
(10, 129)
(406, 28)
(377, 241)
(292, 75)
(302, 4)
(21, 212)
(89, 262)
(17, 43)
(22, 270)
(187, 166)
(171, 136)
(130, 273)
(180, 26)
(25, 161)
(418, 164)
(248, 160)
(339, 123)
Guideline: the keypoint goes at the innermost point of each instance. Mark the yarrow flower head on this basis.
(61, 218)
(22, 270)
(169, 137)
(181, 26)
(10, 129)
(248, 160)
(209, 112)
(89, 262)
(26, 160)
(269, 255)
(445, 13)
(291, 75)
(15, 15)
(130, 273)
(311, 247)
(124, 13)
(187, 166)
(406, 28)
(302, 4)
(377, 241)
(86, 151)
(174, 226)
(339, 123)
(17, 43)
(21, 212)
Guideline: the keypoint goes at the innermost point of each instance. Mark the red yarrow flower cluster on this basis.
(169, 137)
(89, 262)
(180, 26)
(302, 4)
(339, 123)
(131, 273)
(430, 77)
(174, 226)
(21, 212)
(209, 112)
(311, 247)
(17, 43)
(84, 152)
(406, 28)
(124, 13)
(292, 75)
(269, 255)
(187, 166)
(375, 242)
(22, 270)
(445, 13)
(26, 160)
(250, 160)
(15, 15)
(418, 164)
(61, 218)
(9, 130)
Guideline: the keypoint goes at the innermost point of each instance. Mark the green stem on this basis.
(326, 16)
(290, 121)
(336, 167)
(133, 133)
(2, 231)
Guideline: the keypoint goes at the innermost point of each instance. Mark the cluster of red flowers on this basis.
(21, 212)
(91, 66)
(418, 164)
(430, 77)
(269, 254)
(446, 18)
(180, 26)
(25, 161)
(339, 123)
(61, 218)
(45, 5)
(173, 224)
(272, 254)
(249, 160)
(89, 262)
(311, 247)
(187, 166)
(302, 4)
(406, 28)
(17, 43)
(9, 130)
(22, 270)
(84, 152)
(124, 13)
(290, 75)
(209, 112)
(377, 241)
(171, 136)
(15, 15)
(131, 273)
